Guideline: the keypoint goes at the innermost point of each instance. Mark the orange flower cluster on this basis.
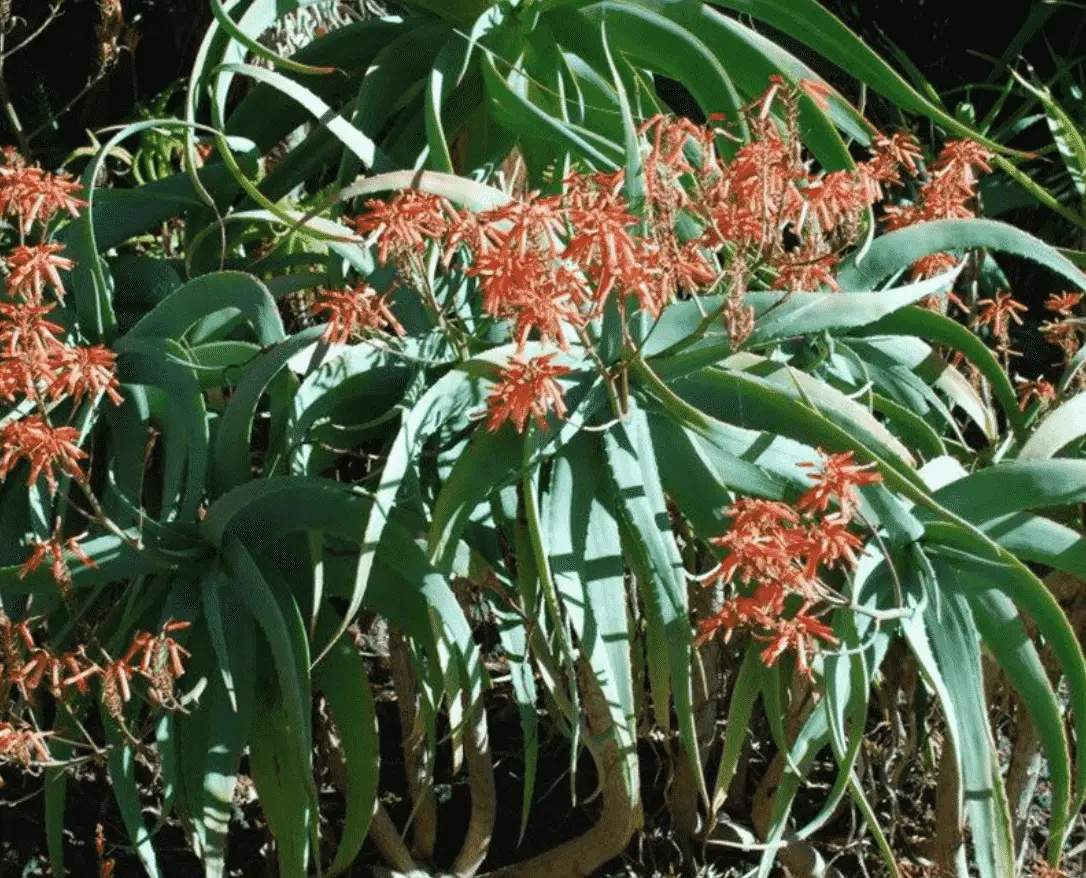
(28, 194)
(948, 193)
(48, 449)
(1069, 332)
(22, 744)
(997, 314)
(549, 264)
(28, 666)
(55, 548)
(36, 364)
(358, 310)
(775, 554)
(1041, 390)
(527, 387)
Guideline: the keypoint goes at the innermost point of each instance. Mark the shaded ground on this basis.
(905, 810)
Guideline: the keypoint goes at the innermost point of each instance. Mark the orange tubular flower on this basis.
(32, 195)
(997, 313)
(601, 245)
(664, 271)
(806, 274)
(16, 376)
(85, 371)
(959, 161)
(757, 544)
(532, 289)
(794, 634)
(527, 387)
(932, 265)
(25, 333)
(529, 223)
(838, 480)
(46, 448)
(33, 267)
(465, 230)
(894, 154)
(405, 223)
(901, 216)
(106, 865)
(361, 309)
(835, 197)
(1064, 335)
(54, 548)
(827, 543)
(1063, 303)
(24, 746)
(551, 306)
(1041, 390)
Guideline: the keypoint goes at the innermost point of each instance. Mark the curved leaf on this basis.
(230, 291)
(341, 677)
(896, 251)
(1060, 427)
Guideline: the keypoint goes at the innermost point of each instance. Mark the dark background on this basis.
(943, 39)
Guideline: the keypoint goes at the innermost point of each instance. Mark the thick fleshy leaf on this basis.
(914, 321)
(229, 291)
(341, 678)
(1004, 635)
(894, 252)
(1060, 427)
(956, 646)
(582, 542)
(814, 26)
(654, 556)
(232, 452)
(122, 778)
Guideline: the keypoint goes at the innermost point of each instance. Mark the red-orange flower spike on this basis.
(838, 480)
(25, 333)
(662, 272)
(1063, 303)
(533, 222)
(901, 216)
(85, 371)
(405, 223)
(532, 289)
(834, 198)
(527, 388)
(601, 244)
(54, 548)
(932, 265)
(806, 274)
(829, 542)
(756, 543)
(24, 746)
(1064, 335)
(960, 160)
(361, 309)
(48, 449)
(795, 634)
(31, 194)
(31, 268)
(1041, 390)
(997, 313)
(16, 376)
(894, 154)
(753, 514)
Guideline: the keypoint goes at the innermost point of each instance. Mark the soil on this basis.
(906, 812)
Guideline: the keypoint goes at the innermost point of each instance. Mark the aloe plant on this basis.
(686, 341)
